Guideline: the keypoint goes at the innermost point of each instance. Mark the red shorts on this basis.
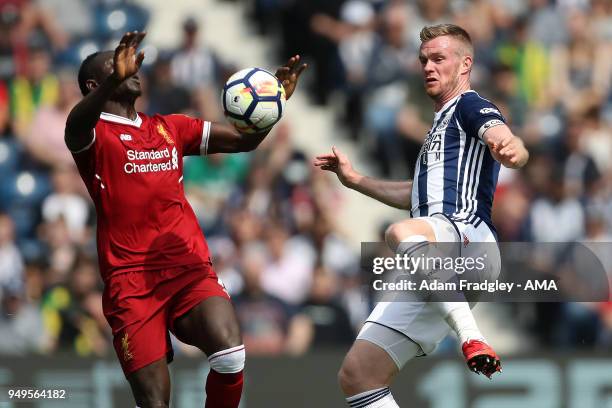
(142, 306)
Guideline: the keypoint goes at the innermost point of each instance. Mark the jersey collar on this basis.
(450, 102)
(120, 119)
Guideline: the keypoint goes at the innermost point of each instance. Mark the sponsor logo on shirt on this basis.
(151, 161)
(484, 111)
(125, 136)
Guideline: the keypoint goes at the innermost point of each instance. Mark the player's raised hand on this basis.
(289, 74)
(337, 162)
(126, 61)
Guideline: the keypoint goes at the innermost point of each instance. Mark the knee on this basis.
(400, 231)
(396, 233)
(229, 336)
(351, 375)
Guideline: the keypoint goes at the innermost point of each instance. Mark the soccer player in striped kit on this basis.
(450, 200)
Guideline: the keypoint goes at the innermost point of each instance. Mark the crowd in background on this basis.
(269, 215)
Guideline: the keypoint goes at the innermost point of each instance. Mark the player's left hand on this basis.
(289, 74)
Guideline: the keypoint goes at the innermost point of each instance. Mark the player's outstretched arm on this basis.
(83, 117)
(393, 193)
(226, 139)
(505, 147)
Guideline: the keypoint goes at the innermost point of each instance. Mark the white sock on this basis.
(460, 318)
(378, 398)
(457, 314)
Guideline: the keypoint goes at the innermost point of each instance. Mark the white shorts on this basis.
(421, 321)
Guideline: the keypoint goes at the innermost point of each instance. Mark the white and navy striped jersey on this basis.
(455, 172)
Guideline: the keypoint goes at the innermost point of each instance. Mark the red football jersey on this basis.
(133, 170)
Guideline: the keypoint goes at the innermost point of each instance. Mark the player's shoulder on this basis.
(175, 118)
(472, 100)
(473, 104)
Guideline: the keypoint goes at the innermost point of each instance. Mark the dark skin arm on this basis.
(84, 116)
(225, 139)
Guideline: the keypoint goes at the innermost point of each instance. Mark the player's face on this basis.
(441, 65)
(129, 87)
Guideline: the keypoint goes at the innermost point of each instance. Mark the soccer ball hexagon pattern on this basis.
(253, 100)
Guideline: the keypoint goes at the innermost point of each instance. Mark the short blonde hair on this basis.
(430, 32)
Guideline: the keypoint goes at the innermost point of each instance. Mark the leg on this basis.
(212, 326)
(371, 365)
(151, 385)
(140, 333)
(411, 237)
(366, 367)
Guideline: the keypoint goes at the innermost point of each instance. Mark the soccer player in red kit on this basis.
(153, 257)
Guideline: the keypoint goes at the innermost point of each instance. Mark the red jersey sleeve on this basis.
(191, 133)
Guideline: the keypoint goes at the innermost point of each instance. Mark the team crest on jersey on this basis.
(125, 346)
(466, 241)
(444, 123)
(162, 131)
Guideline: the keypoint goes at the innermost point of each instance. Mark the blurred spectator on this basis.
(288, 273)
(21, 326)
(326, 69)
(75, 17)
(36, 88)
(164, 96)
(353, 33)
(210, 180)
(11, 262)
(529, 60)
(597, 140)
(602, 19)
(390, 66)
(556, 216)
(269, 325)
(65, 204)
(330, 320)
(547, 23)
(579, 169)
(44, 139)
(424, 13)
(581, 70)
(333, 253)
(196, 67)
(73, 311)
(226, 263)
(22, 24)
(61, 252)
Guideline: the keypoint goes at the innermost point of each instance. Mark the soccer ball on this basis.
(253, 100)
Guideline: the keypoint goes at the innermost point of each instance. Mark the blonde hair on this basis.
(430, 32)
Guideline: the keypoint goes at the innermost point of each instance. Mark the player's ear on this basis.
(466, 64)
(91, 84)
